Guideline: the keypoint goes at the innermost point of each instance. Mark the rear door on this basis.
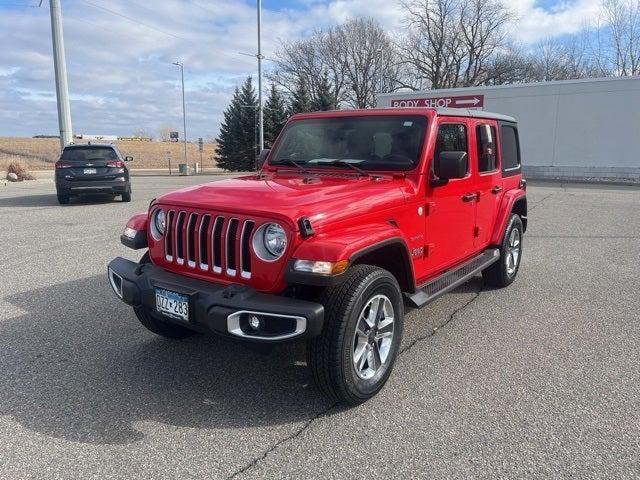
(488, 180)
(450, 217)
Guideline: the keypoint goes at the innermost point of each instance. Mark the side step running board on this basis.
(451, 279)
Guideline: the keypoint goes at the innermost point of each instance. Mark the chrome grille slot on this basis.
(209, 242)
(168, 239)
(245, 249)
(191, 240)
(232, 232)
(202, 236)
(216, 244)
(179, 234)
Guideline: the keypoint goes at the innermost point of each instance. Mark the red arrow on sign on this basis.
(461, 101)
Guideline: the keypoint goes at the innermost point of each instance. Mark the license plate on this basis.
(172, 304)
(89, 171)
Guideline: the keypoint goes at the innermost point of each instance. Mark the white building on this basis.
(573, 129)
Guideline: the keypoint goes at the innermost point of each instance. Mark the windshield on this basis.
(84, 154)
(370, 143)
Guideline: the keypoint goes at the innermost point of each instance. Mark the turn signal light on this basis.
(116, 164)
(321, 268)
(61, 164)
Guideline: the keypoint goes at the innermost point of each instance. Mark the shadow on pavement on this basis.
(79, 366)
(50, 200)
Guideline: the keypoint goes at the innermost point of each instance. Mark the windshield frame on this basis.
(338, 164)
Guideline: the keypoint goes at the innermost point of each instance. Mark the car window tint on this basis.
(510, 152)
(486, 138)
(81, 154)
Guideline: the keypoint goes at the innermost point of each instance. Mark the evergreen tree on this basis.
(275, 116)
(300, 100)
(325, 99)
(237, 140)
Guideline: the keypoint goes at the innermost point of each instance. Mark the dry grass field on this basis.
(42, 153)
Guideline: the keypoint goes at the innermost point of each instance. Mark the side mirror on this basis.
(263, 157)
(450, 165)
(128, 159)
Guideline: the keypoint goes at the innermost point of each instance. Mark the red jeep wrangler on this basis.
(352, 214)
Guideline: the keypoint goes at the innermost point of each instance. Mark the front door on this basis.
(450, 219)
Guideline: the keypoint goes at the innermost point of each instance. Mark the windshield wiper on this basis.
(291, 162)
(340, 161)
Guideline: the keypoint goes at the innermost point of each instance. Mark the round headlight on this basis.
(275, 239)
(159, 224)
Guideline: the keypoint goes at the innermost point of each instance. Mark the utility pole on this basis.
(60, 67)
(261, 109)
(184, 115)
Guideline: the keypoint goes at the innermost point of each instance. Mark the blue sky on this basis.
(119, 55)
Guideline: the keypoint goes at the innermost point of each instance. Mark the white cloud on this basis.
(120, 72)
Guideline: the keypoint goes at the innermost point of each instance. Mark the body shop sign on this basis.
(462, 101)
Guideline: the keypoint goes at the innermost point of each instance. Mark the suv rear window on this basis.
(372, 142)
(509, 148)
(83, 154)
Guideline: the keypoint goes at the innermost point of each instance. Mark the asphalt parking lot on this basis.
(541, 379)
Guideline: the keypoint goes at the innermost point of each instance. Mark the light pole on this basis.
(184, 115)
(261, 109)
(60, 67)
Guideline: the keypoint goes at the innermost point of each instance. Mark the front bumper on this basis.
(218, 308)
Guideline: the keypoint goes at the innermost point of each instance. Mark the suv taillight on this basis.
(116, 164)
(61, 164)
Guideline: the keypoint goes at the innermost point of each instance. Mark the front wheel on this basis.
(504, 271)
(353, 357)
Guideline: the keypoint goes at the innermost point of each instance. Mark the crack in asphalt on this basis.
(451, 317)
(540, 202)
(286, 439)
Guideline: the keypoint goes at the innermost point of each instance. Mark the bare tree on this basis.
(452, 43)
(358, 57)
(617, 38)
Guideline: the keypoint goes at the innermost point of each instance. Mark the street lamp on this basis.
(184, 116)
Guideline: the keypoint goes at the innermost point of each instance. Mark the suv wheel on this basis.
(126, 196)
(63, 199)
(156, 325)
(504, 271)
(353, 357)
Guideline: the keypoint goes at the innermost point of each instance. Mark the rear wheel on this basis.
(126, 196)
(353, 357)
(63, 199)
(156, 324)
(504, 271)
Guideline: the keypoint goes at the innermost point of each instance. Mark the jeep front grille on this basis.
(211, 243)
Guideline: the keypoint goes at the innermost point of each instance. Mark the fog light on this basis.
(254, 322)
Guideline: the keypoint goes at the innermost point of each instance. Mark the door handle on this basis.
(496, 189)
(469, 197)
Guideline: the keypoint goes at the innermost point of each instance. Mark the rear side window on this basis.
(486, 136)
(509, 148)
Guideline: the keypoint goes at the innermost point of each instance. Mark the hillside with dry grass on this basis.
(42, 153)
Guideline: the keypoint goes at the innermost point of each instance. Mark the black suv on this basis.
(87, 169)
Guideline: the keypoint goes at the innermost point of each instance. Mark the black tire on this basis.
(500, 274)
(156, 324)
(63, 199)
(331, 355)
(126, 196)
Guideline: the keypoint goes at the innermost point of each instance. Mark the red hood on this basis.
(323, 199)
